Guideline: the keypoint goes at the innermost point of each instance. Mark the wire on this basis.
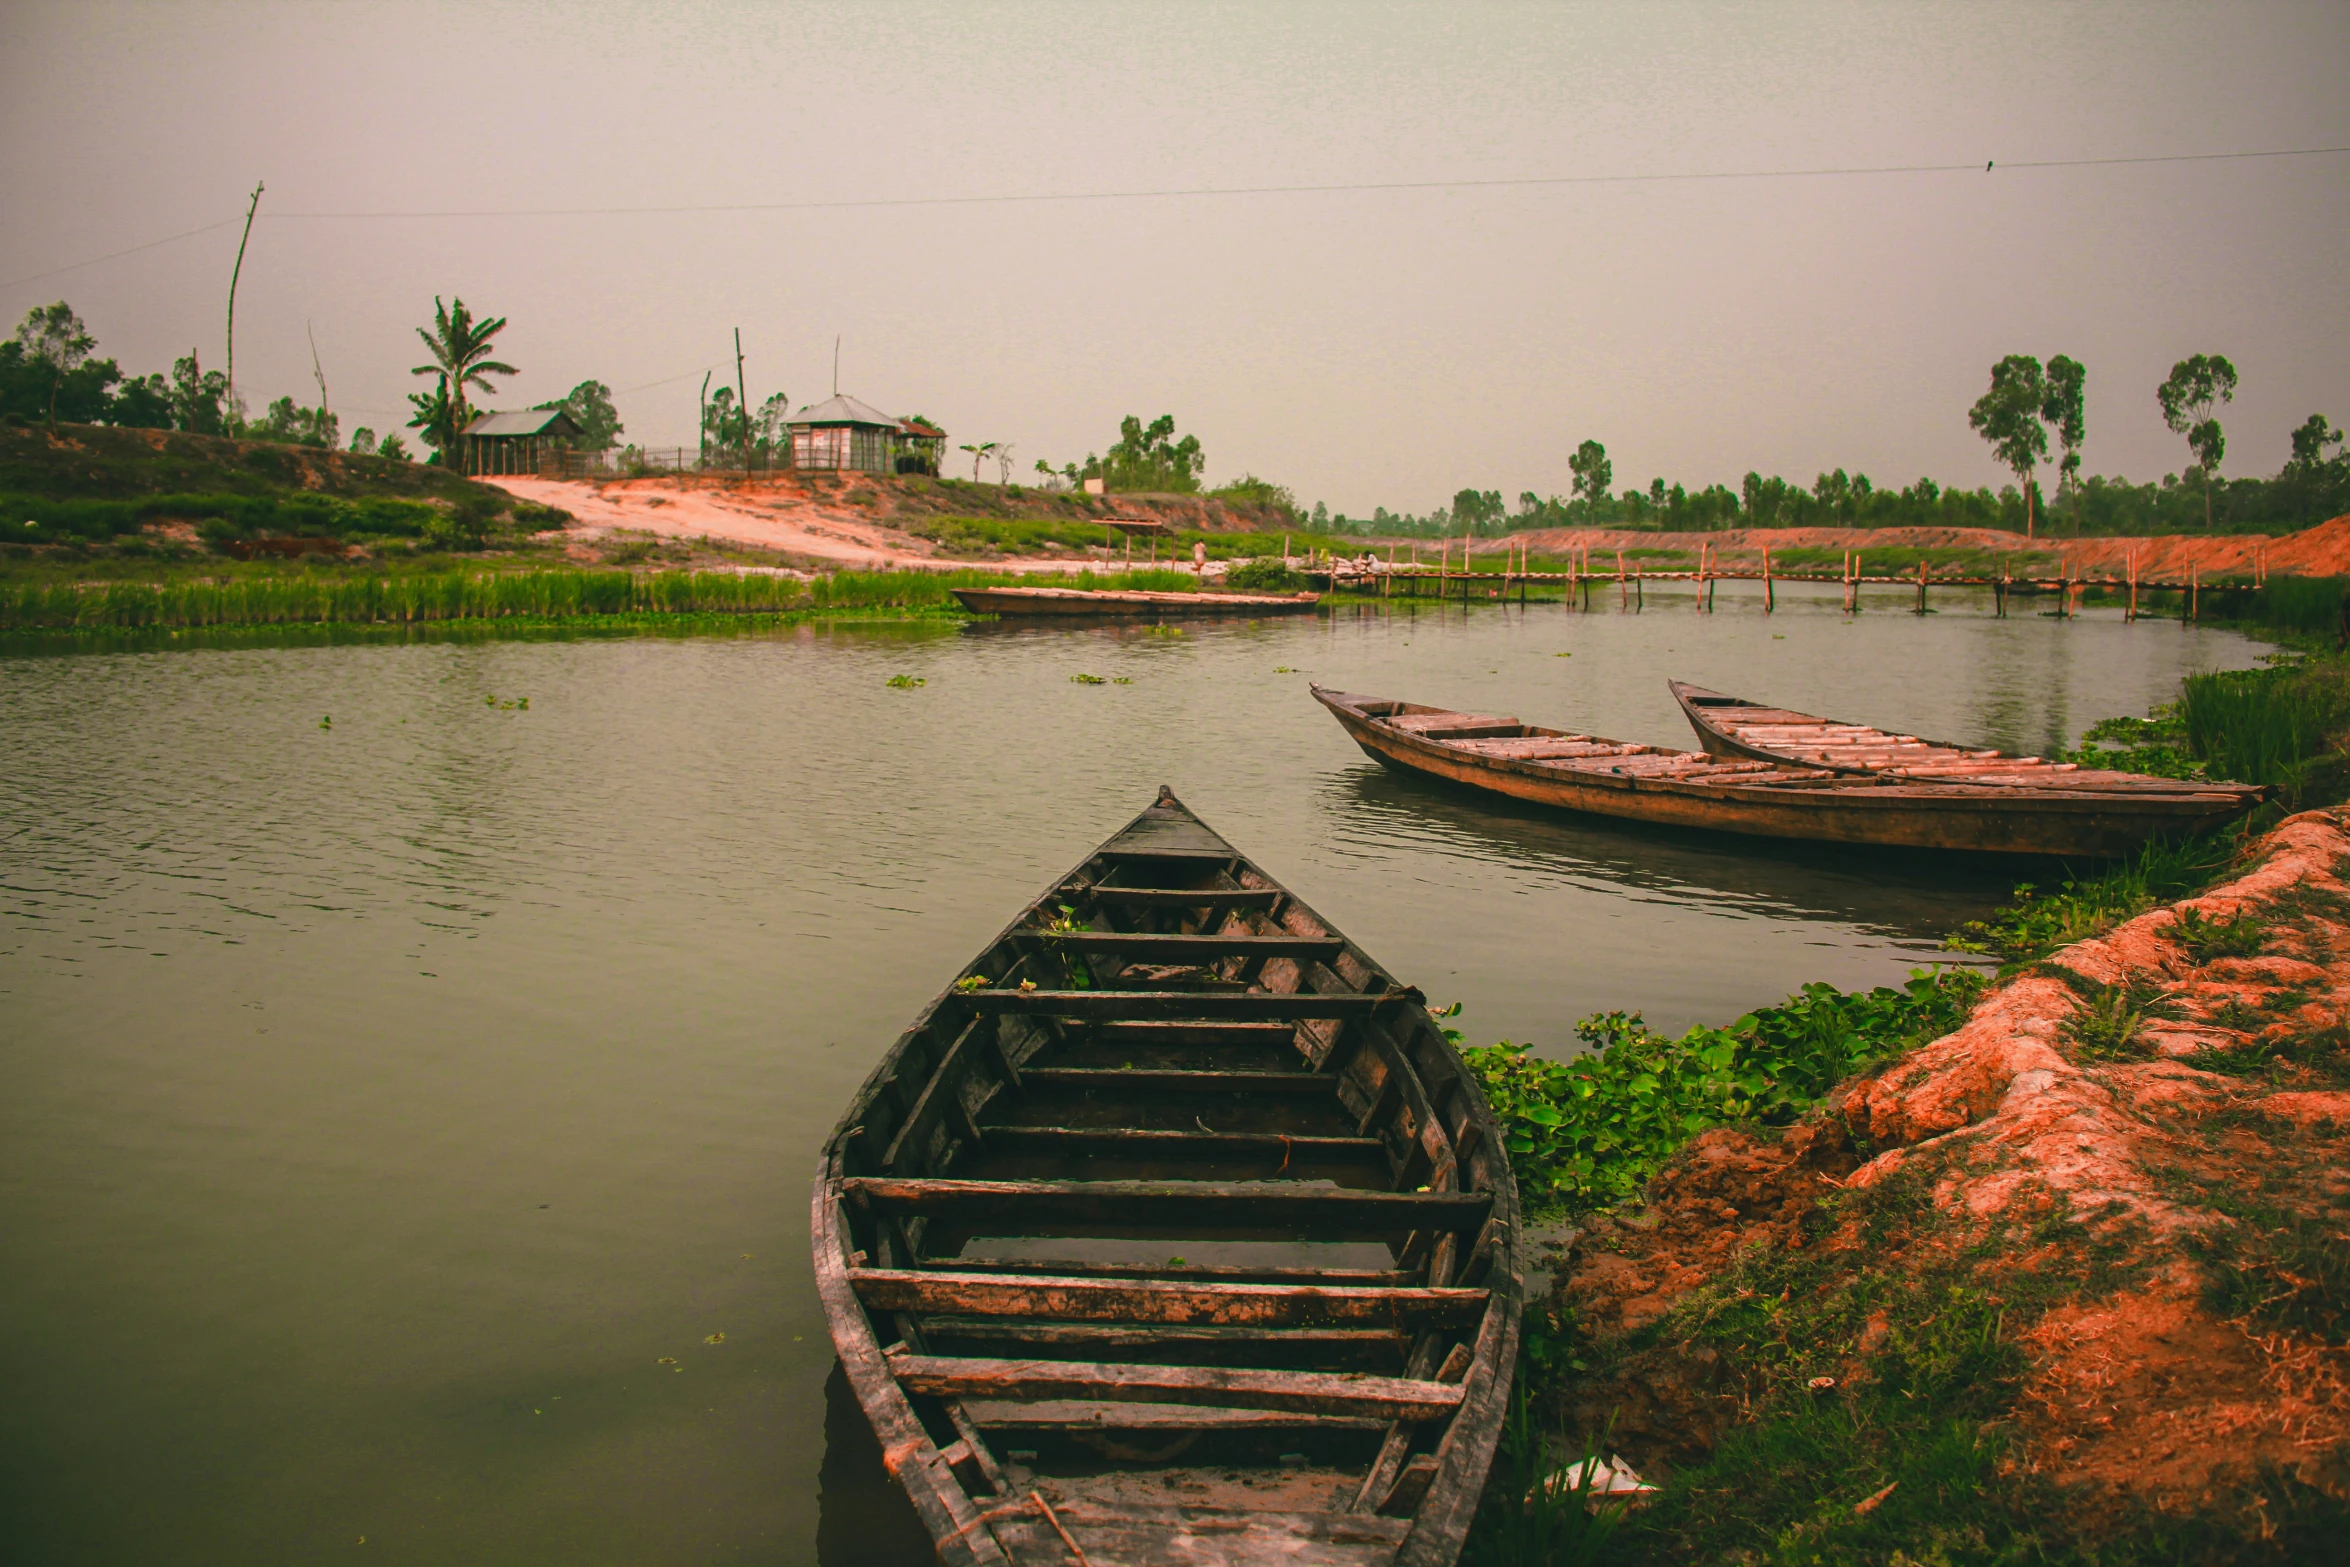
(76, 266)
(1518, 182)
(1173, 193)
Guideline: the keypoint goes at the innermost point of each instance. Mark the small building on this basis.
(843, 433)
(516, 443)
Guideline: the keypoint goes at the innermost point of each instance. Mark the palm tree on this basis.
(460, 348)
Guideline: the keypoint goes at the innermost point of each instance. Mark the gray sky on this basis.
(1365, 347)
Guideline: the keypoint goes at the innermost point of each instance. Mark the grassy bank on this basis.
(293, 596)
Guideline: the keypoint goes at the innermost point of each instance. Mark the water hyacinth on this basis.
(1586, 1132)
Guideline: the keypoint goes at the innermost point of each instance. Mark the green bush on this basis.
(1265, 574)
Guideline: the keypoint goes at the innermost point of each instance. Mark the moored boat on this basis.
(1130, 602)
(1175, 1230)
(1767, 798)
(1733, 726)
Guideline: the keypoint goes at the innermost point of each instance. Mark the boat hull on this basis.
(1338, 1109)
(1076, 603)
(1969, 821)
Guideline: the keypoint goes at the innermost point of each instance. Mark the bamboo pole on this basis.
(1921, 585)
(1770, 596)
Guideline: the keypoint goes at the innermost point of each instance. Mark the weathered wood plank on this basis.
(1325, 1211)
(1211, 1343)
(1130, 1536)
(1172, 1080)
(929, 1482)
(1410, 1487)
(1186, 897)
(1221, 1272)
(1087, 1415)
(1179, 1032)
(1233, 1387)
(1142, 1144)
(1155, 947)
(1218, 1006)
(1075, 1298)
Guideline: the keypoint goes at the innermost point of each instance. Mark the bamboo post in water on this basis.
(1623, 585)
(2132, 613)
(1921, 585)
(1770, 597)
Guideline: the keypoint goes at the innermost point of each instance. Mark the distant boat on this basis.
(1769, 798)
(1129, 602)
(1056, 1236)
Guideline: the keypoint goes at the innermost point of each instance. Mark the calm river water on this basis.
(386, 1099)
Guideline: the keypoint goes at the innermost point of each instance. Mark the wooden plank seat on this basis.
(1322, 1210)
(1181, 897)
(1231, 1387)
(1241, 1006)
(1154, 947)
(1150, 1080)
(1189, 1031)
(1308, 1348)
(1177, 1144)
(1213, 1272)
(1070, 1414)
(1184, 1302)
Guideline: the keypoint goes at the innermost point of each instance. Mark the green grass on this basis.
(2037, 923)
(298, 595)
(2278, 726)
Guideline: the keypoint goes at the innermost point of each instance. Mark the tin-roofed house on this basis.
(516, 443)
(843, 433)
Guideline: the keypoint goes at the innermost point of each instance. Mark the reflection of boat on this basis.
(1128, 602)
(1762, 798)
(1175, 1229)
(1733, 726)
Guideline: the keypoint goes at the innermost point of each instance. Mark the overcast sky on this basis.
(1365, 347)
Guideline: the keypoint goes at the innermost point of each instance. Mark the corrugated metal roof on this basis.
(530, 421)
(843, 409)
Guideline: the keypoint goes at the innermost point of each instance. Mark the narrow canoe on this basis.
(1175, 1228)
(1734, 726)
(1127, 602)
(1763, 798)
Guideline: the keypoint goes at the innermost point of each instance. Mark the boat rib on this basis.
(1178, 1213)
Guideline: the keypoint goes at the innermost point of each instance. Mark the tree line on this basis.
(2027, 408)
(50, 372)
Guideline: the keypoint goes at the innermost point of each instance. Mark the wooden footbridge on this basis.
(1518, 574)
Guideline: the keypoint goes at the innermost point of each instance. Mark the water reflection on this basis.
(1912, 894)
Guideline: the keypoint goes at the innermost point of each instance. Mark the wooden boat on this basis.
(1733, 726)
(1129, 602)
(1174, 1230)
(1767, 798)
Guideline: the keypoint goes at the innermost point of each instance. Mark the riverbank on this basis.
(2068, 1279)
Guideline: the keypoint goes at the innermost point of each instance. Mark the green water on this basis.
(385, 1101)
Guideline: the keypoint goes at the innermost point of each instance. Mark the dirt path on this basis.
(772, 517)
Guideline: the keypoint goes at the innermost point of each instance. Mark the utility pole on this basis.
(319, 371)
(250, 209)
(742, 402)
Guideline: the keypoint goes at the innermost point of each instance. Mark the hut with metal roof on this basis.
(843, 433)
(515, 443)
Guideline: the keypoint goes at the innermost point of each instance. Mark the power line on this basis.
(76, 266)
(1533, 181)
(1515, 182)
